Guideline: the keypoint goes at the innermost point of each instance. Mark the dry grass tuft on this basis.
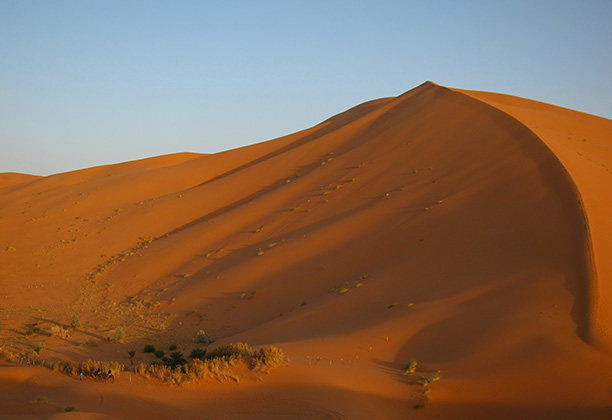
(268, 357)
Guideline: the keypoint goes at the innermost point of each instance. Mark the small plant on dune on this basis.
(231, 351)
(172, 347)
(268, 357)
(75, 322)
(176, 359)
(159, 354)
(434, 377)
(120, 334)
(39, 347)
(149, 348)
(410, 367)
(198, 353)
(202, 337)
(59, 331)
(41, 399)
(132, 353)
(424, 381)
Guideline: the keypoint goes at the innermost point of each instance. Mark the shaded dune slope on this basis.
(432, 226)
(583, 144)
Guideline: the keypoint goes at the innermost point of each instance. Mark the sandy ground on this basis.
(468, 231)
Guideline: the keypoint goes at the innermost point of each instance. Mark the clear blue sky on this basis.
(85, 83)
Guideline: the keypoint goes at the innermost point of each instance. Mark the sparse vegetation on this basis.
(159, 353)
(88, 368)
(202, 337)
(75, 322)
(132, 353)
(149, 348)
(410, 367)
(176, 358)
(39, 347)
(236, 350)
(424, 381)
(198, 353)
(120, 334)
(217, 364)
(59, 331)
(268, 357)
(41, 399)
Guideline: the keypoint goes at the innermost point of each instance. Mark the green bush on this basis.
(202, 337)
(236, 350)
(75, 322)
(198, 354)
(175, 359)
(410, 367)
(149, 348)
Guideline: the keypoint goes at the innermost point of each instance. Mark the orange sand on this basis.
(465, 230)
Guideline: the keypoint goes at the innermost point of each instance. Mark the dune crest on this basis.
(437, 226)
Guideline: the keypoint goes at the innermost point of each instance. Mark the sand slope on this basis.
(455, 228)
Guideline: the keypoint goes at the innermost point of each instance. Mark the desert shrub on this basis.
(434, 377)
(131, 353)
(91, 367)
(198, 353)
(424, 381)
(198, 368)
(41, 399)
(149, 348)
(75, 322)
(39, 347)
(142, 369)
(176, 370)
(176, 359)
(231, 351)
(59, 331)
(120, 334)
(172, 347)
(159, 353)
(9, 356)
(410, 367)
(268, 357)
(202, 337)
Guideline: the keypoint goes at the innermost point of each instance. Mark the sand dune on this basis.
(464, 230)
